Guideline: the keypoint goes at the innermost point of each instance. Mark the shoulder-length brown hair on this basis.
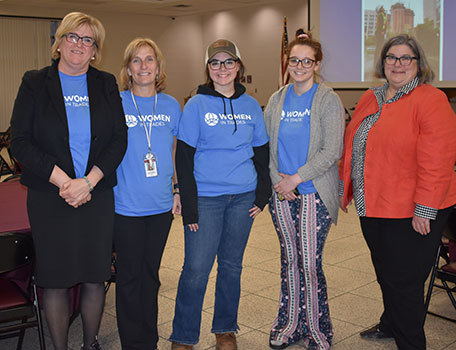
(425, 73)
(130, 51)
(73, 21)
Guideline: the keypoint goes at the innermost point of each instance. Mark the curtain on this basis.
(25, 44)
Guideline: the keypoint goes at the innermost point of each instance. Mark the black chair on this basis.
(113, 272)
(447, 279)
(17, 307)
(12, 167)
(15, 177)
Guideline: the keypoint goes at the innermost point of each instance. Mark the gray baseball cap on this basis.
(222, 45)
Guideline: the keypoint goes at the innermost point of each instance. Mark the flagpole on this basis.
(283, 77)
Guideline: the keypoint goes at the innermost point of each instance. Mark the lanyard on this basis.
(148, 132)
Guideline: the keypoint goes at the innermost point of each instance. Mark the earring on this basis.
(156, 77)
(93, 57)
(58, 50)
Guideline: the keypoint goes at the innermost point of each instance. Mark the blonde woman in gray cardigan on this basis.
(305, 122)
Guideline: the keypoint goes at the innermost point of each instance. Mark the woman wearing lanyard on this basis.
(144, 200)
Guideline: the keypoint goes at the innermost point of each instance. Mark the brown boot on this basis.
(177, 346)
(226, 341)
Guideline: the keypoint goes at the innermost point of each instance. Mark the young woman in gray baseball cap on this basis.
(222, 166)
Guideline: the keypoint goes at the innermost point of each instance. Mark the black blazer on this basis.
(39, 128)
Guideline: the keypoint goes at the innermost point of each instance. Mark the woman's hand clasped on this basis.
(286, 186)
(75, 192)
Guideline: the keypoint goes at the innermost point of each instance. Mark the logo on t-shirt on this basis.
(131, 120)
(76, 101)
(295, 116)
(156, 120)
(211, 119)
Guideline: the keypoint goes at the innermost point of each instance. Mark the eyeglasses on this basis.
(404, 60)
(86, 40)
(306, 62)
(229, 63)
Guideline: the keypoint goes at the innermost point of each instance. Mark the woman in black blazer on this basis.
(69, 134)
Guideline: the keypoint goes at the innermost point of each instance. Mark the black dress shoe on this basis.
(94, 346)
(375, 333)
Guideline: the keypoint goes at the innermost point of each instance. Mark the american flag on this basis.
(284, 78)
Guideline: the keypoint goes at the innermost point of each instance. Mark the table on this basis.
(14, 218)
(13, 209)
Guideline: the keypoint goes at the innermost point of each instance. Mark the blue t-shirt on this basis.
(76, 99)
(223, 159)
(136, 194)
(294, 135)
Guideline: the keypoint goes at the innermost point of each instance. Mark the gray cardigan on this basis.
(327, 125)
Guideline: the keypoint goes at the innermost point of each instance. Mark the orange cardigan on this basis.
(410, 154)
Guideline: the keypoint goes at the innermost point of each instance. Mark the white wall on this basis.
(179, 39)
(33, 52)
(258, 34)
(256, 30)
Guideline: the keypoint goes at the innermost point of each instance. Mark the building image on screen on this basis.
(383, 19)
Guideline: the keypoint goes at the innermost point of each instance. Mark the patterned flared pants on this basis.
(302, 226)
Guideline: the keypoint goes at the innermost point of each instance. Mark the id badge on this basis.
(150, 165)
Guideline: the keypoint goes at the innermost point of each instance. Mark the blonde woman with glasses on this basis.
(69, 134)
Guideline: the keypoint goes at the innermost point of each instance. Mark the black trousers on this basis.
(139, 243)
(403, 259)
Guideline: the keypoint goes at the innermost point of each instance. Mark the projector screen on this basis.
(352, 33)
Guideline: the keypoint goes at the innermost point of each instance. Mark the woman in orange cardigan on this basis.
(398, 166)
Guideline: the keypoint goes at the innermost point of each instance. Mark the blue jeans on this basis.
(224, 228)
